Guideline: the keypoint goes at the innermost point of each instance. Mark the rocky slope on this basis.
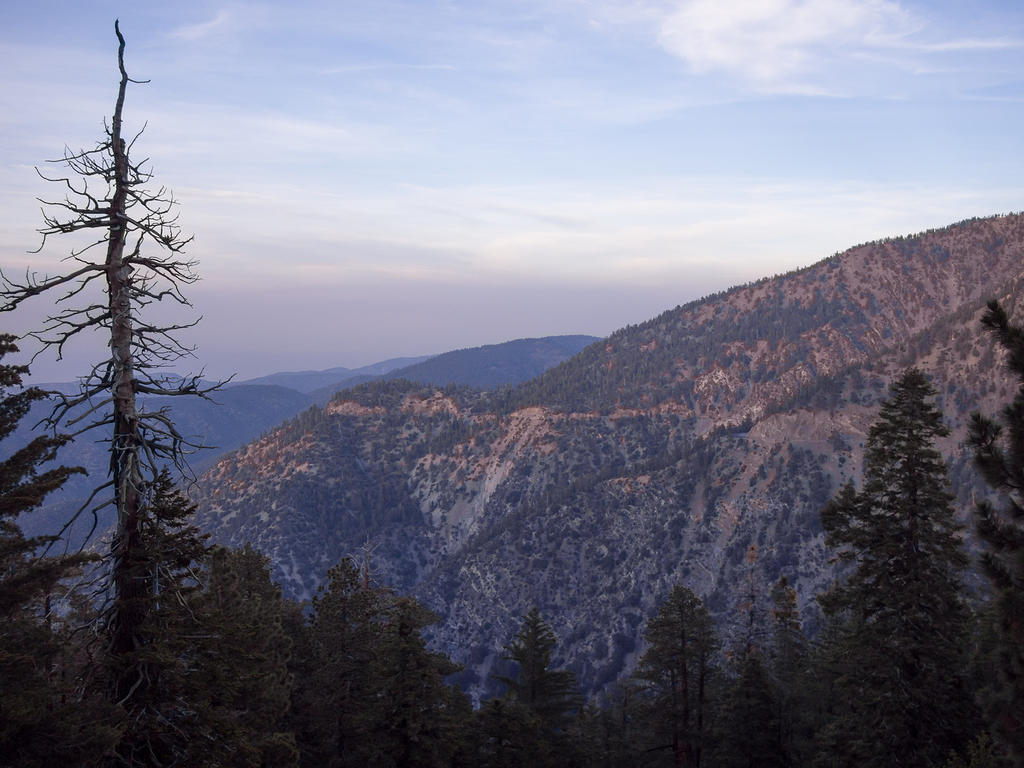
(231, 418)
(241, 411)
(696, 447)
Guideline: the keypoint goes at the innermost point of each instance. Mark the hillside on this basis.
(229, 419)
(241, 411)
(661, 455)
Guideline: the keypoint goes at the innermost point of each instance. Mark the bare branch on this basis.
(131, 244)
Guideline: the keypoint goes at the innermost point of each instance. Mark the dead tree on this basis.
(130, 259)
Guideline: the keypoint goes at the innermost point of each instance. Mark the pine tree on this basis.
(549, 693)
(506, 734)
(210, 679)
(788, 666)
(47, 716)
(239, 653)
(336, 706)
(999, 455)
(619, 729)
(367, 691)
(748, 731)
(901, 687)
(24, 484)
(422, 722)
(748, 734)
(820, 694)
(677, 670)
(164, 722)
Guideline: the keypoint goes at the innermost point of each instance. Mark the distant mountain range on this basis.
(332, 379)
(697, 447)
(242, 411)
(495, 365)
(487, 367)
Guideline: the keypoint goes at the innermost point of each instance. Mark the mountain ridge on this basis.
(662, 454)
(240, 411)
(309, 381)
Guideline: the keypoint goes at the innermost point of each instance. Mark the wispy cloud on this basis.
(775, 43)
(969, 44)
(204, 29)
(807, 46)
(610, 235)
(386, 67)
(469, 152)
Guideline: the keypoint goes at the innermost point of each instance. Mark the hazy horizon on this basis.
(376, 180)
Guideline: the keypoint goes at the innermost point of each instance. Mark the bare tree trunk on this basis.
(104, 193)
(130, 591)
(682, 726)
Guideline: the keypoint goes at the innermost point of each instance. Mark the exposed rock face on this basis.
(670, 452)
(241, 411)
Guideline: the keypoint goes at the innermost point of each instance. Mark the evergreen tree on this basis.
(508, 735)
(47, 714)
(903, 699)
(820, 694)
(421, 724)
(24, 484)
(213, 685)
(240, 654)
(789, 645)
(336, 706)
(748, 730)
(981, 753)
(677, 669)
(164, 722)
(586, 740)
(367, 691)
(620, 729)
(748, 733)
(551, 694)
(788, 666)
(542, 704)
(999, 455)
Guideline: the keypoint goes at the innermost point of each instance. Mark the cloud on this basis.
(776, 43)
(816, 46)
(386, 67)
(203, 29)
(639, 233)
(970, 44)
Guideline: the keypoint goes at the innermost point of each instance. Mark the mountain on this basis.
(241, 411)
(332, 379)
(230, 418)
(697, 447)
(496, 365)
(487, 367)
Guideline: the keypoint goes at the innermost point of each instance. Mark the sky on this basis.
(368, 179)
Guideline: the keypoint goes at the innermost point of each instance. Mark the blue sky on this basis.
(374, 179)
